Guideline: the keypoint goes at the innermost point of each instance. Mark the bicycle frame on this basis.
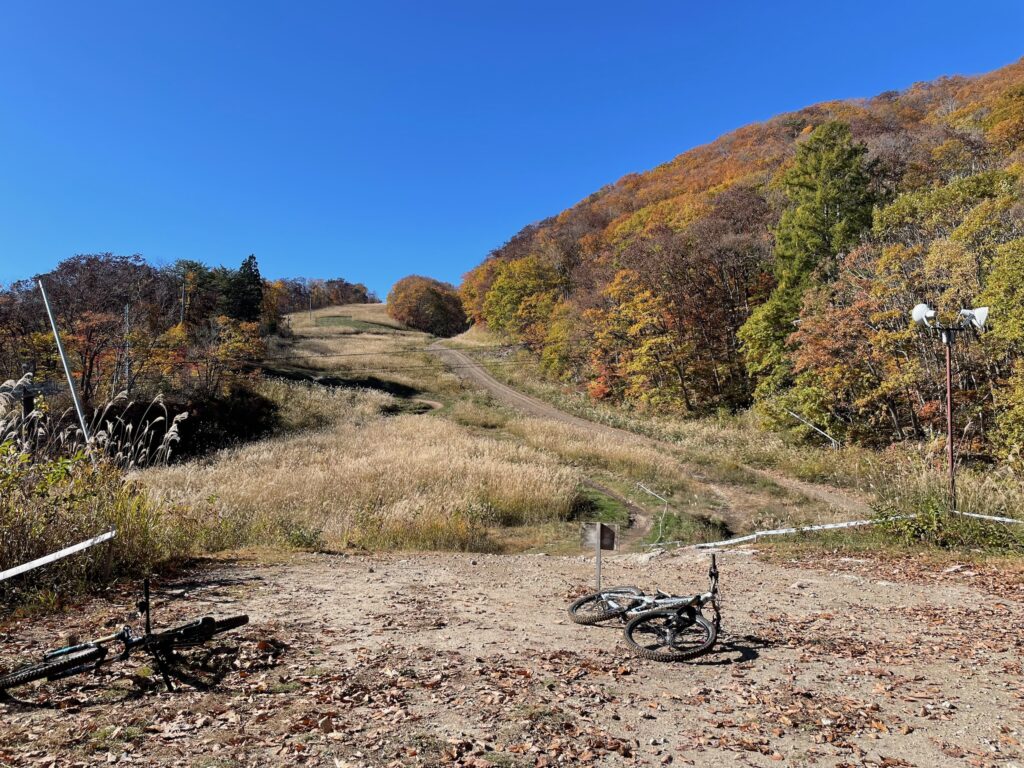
(156, 645)
(638, 604)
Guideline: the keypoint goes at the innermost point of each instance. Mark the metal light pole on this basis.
(969, 319)
(67, 369)
(948, 334)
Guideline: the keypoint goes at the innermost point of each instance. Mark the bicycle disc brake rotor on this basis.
(673, 631)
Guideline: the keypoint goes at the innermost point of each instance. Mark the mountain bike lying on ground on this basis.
(661, 627)
(162, 647)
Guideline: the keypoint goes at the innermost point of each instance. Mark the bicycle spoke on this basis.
(670, 635)
(592, 609)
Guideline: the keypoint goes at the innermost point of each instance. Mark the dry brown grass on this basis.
(370, 480)
(474, 337)
(632, 458)
(306, 405)
(348, 473)
(375, 347)
(476, 412)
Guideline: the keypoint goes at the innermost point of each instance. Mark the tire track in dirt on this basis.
(473, 372)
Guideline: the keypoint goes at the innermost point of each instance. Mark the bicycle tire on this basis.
(660, 624)
(594, 600)
(202, 630)
(226, 625)
(49, 668)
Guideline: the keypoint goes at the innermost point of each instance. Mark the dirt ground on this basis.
(440, 659)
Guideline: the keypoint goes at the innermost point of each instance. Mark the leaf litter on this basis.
(429, 661)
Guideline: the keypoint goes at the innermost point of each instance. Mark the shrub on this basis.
(46, 505)
(53, 495)
(427, 305)
(934, 526)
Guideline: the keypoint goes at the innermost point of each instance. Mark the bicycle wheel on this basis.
(51, 668)
(670, 635)
(604, 605)
(199, 632)
(232, 622)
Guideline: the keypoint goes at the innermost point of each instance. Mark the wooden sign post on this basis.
(600, 537)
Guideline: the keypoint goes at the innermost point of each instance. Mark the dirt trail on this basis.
(475, 373)
(640, 520)
(435, 660)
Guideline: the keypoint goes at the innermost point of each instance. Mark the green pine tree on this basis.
(245, 292)
(830, 206)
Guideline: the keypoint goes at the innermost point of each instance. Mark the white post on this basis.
(598, 556)
(67, 368)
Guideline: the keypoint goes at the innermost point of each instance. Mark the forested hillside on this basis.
(777, 266)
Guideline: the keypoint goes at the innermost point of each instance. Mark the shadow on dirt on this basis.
(187, 587)
(736, 651)
(357, 382)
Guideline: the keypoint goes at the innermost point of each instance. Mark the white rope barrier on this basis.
(993, 518)
(18, 570)
(785, 531)
(834, 526)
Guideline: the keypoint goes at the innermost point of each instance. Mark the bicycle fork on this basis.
(155, 653)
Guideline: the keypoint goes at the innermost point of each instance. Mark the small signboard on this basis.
(592, 533)
(598, 536)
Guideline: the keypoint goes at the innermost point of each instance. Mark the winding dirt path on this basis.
(476, 374)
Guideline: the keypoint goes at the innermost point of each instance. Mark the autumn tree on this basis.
(427, 305)
(709, 275)
(567, 347)
(1005, 293)
(475, 286)
(121, 321)
(522, 297)
(636, 354)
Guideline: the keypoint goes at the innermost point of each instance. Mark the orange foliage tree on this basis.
(427, 305)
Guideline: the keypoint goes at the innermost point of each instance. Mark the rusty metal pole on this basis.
(947, 339)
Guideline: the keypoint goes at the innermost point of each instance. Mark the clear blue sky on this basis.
(376, 139)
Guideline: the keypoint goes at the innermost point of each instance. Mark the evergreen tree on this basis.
(245, 292)
(830, 206)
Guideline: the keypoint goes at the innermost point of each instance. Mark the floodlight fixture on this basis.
(922, 313)
(975, 317)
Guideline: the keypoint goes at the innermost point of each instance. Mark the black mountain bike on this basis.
(660, 627)
(162, 647)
